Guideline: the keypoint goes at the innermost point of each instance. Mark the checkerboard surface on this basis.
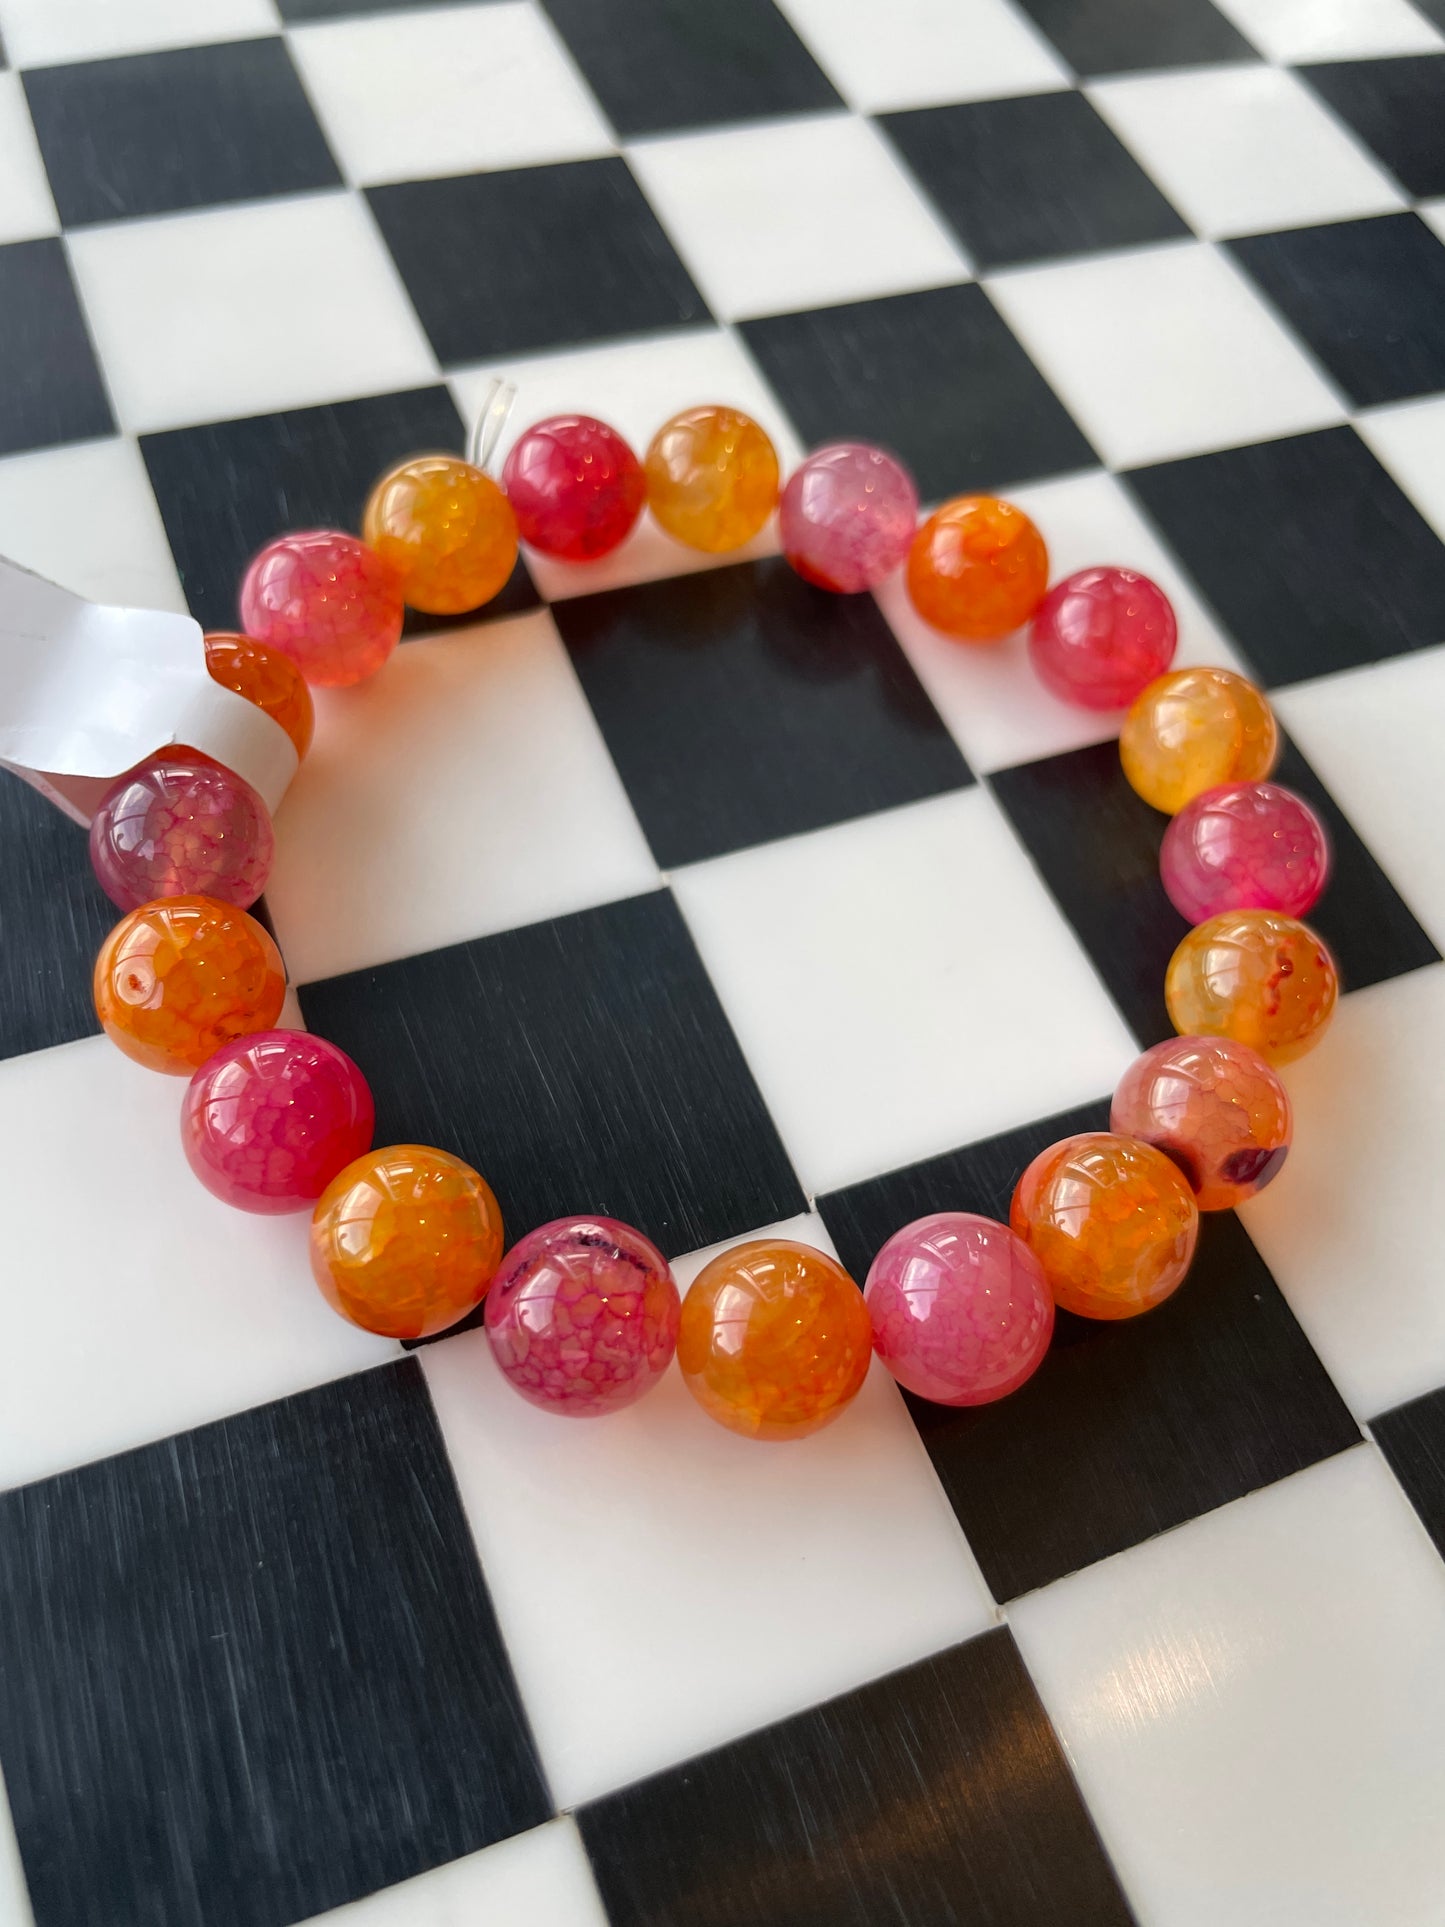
(686, 893)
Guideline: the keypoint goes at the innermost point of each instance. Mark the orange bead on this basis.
(178, 978)
(1112, 1221)
(1257, 976)
(977, 569)
(405, 1240)
(1192, 730)
(775, 1339)
(712, 478)
(447, 530)
(266, 678)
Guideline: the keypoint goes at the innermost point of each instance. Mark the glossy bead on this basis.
(774, 1340)
(1111, 1220)
(1254, 975)
(977, 569)
(1101, 636)
(325, 600)
(712, 478)
(1193, 730)
(404, 1241)
(1244, 846)
(960, 1309)
(177, 979)
(1215, 1108)
(583, 1316)
(267, 678)
(180, 826)
(447, 530)
(271, 1118)
(575, 486)
(847, 516)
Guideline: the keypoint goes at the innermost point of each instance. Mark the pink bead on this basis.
(270, 1119)
(1244, 846)
(847, 516)
(179, 825)
(328, 601)
(583, 1316)
(575, 486)
(960, 1309)
(1101, 636)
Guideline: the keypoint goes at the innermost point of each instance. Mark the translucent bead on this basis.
(327, 601)
(1215, 1108)
(267, 678)
(1256, 976)
(977, 569)
(446, 529)
(1193, 730)
(712, 478)
(847, 516)
(177, 979)
(1244, 846)
(405, 1240)
(575, 487)
(960, 1308)
(582, 1316)
(178, 827)
(1101, 636)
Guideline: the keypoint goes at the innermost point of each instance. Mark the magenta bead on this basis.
(1244, 846)
(1101, 636)
(328, 601)
(583, 1316)
(181, 826)
(960, 1310)
(847, 516)
(270, 1119)
(575, 487)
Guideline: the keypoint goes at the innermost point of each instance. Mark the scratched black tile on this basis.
(1395, 108)
(1115, 36)
(53, 918)
(1127, 1428)
(52, 390)
(253, 1672)
(1412, 1438)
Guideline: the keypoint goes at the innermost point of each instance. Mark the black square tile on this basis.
(1116, 36)
(252, 1672)
(741, 704)
(52, 390)
(938, 377)
(53, 918)
(506, 263)
(1020, 180)
(1395, 107)
(936, 1796)
(191, 127)
(1127, 1428)
(1412, 1438)
(1313, 557)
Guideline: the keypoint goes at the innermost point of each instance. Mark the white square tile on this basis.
(536, 1879)
(27, 209)
(795, 214)
(664, 1585)
(120, 555)
(1301, 30)
(240, 310)
(14, 1899)
(1244, 149)
(916, 990)
(1163, 352)
(447, 92)
(466, 791)
(1254, 1706)
(1409, 438)
(39, 32)
(922, 53)
(1434, 213)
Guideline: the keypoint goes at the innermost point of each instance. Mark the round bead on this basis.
(583, 1316)
(774, 1339)
(178, 827)
(271, 1118)
(325, 600)
(1193, 730)
(575, 486)
(177, 979)
(1101, 636)
(1215, 1108)
(1244, 846)
(405, 1240)
(712, 478)
(960, 1308)
(1256, 976)
(266, 678)
(1111, 1221)
(847, 516)
(447, 530)
(977, 569)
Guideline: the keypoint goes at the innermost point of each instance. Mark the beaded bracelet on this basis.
(774, 1338)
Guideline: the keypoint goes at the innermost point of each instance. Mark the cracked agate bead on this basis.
(447, 530)
(960, 1308)
(1215, 1108)
(575, 487)
(181, 826)
(1263, 979)
(1101, 636)
(325, 600)
(270, 1119)
(977, 569)
(1244, 846)
(582, 1316)
(176, 980)
(847, 516)
(1192, 730)
(265, 677)
(712, 478)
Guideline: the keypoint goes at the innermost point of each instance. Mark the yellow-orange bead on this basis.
(1112, 1221)
(1193, 729)
(266, 678)
(448, 531)
(712, 478)
(978, 568)
(178, 978)
(775, 1339)
(1257, 976)
(405, 1240)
